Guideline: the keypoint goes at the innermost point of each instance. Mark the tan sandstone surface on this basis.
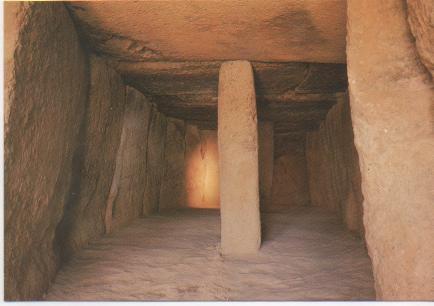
(391, 98)
(154, 161)
(290, 184)
(116, 111)
(333, 167)
(421, 20)
(172, 52)
(125, 201)
(201, 168)
(289, 30)
(96, 160)
(238, 160)
(45, 97)
(172, 190)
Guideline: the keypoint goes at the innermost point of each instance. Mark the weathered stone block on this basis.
(154, 161)
(46, 86)
(172, 191)
(84, 215)
(125, 201)
(391, 97)
(238, 160)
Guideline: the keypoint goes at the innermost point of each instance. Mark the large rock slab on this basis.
(188, 90)
(238, 160)
(333, 167)
(172, 191)
(290, 182)
(421, 20)
(154, 161)
(96, 160)
(194, 167)
(288, 30)
(46, 85)
(173, 50)
(125, 202)
(391, 98)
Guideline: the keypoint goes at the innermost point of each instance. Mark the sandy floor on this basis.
(306, 255)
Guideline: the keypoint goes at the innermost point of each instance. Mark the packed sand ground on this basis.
(306, 255)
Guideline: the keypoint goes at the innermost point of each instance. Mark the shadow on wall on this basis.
(201, 168)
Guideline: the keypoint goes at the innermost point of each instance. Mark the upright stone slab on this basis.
(125, 199)
(154, 162)
(172, 189)
(391, 99)
(238, 160)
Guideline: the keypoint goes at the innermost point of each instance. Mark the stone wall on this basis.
(45, 96)
(391, 97)
(85, 212)
(125, 201)
(421, 23)
(209, 149)
(172, 190)
(333, 168)
(201, 168)
(289, 185)
(286, 177)
(154, 162)
(84, 154)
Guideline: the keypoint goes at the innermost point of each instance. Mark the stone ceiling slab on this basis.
(172, 52)
(183, 78)
(281, 31)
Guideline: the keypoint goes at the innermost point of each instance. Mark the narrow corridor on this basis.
(306, 254)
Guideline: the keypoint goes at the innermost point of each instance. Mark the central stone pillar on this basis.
(238, 160)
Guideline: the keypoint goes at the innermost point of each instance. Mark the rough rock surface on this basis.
(195, 168)
(172, 190)
(266, 161)
(289, 30)
(238, 160)
(45, 95)
(84, 215)
(391, 97)
(421, 20)
(201, 168)
(290, 184)
(306, 255)
(296, 96)
(173, 52)
(125, 202)
(211, 190)
(333, 167)
(154, 161)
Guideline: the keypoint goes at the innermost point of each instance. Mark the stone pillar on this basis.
(266, 161)
(238, 160)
